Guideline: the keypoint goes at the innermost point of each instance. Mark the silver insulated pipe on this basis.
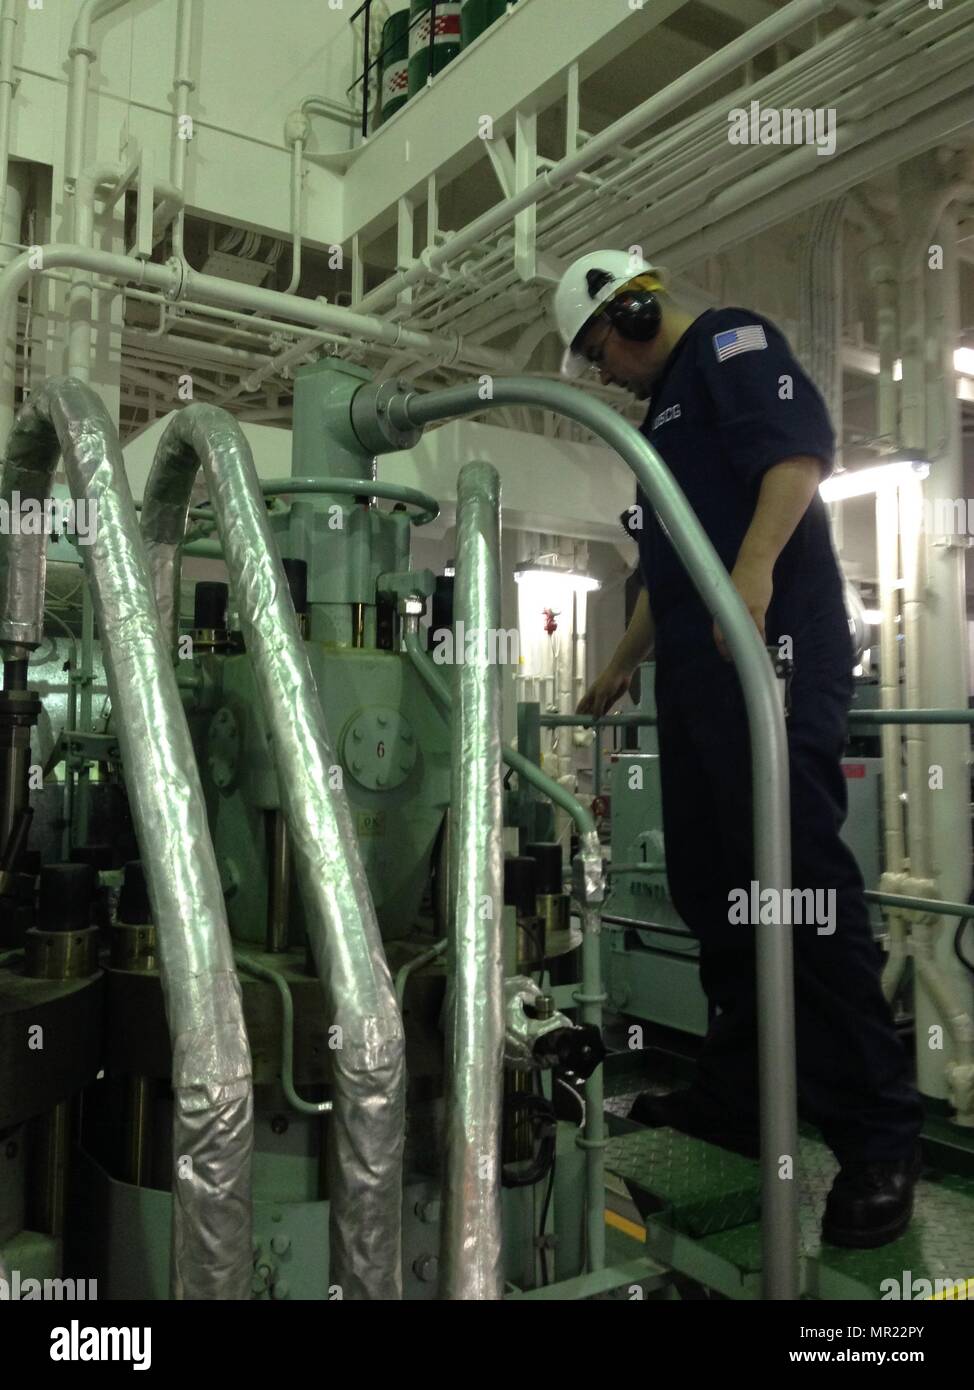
(471, 1265)
(367, 1124)
(212, 1256)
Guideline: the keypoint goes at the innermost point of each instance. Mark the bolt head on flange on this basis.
(378, 424)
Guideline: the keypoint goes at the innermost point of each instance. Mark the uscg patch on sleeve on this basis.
(736, 340)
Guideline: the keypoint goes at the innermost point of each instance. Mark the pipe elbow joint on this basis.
(297, 127)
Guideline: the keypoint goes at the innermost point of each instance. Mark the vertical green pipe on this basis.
(529, 746)
(402, 529)
(570, 1163)
(590, 999)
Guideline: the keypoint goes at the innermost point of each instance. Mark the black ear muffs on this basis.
(635, 315)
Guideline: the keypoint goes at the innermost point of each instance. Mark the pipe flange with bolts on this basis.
(377, 429)
(177, 289)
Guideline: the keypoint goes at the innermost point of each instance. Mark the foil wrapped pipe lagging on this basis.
(589, 892)
(366, 1130)
(470, 1239)
(212, 1256)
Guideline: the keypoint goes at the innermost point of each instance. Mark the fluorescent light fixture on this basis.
(581, 583)
(873, 616)
(860, 482)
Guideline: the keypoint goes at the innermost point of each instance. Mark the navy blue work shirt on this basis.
(733, 401)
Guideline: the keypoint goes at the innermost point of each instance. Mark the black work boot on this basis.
(870, 1204)
(691, 1114)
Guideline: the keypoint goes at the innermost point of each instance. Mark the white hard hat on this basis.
(586, 285)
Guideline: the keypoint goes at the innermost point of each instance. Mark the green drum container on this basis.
(394, 65)
(446, 40)
(478, 15)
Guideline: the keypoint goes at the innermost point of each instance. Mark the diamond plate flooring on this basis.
(713, 1196)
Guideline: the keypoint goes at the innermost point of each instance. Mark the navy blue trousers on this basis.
(853, 1071)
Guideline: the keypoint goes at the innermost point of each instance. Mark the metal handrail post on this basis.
(769, 764)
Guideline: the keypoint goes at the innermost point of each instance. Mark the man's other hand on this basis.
(602, 695)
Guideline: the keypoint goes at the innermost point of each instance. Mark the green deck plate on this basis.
(618, 1245)
(713, 1196)
(702, 1189)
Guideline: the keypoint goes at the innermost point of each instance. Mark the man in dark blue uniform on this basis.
(747, 437)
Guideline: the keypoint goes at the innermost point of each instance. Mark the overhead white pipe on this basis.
(679, 163)
(741, 208)
(297, 174)
(769, 31)
(297, 133)
(789, 186)
(177, 278)
(8, 83)
(699, 128)
(675, 162)
(820, 293)
(183, 85)
(242, 323)
(140, 378)
(324, 106)
(185, 349)
(81, 293)
(484, 323)
(899, 121)
(81, 55)
(368, 328)
(517, 359)
(846, 43)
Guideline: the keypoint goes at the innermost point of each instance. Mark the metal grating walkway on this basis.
(701, 1205)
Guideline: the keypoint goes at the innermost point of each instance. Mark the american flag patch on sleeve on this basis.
(735, 340)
